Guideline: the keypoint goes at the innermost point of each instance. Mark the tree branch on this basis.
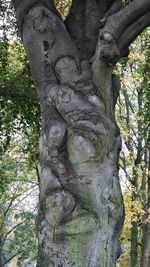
(9, 94)
(123, 19)
(109, 6)
(112, 29)
(9, 259)
(22, 7)
(83, 21)
(11, 230)
(132, 32)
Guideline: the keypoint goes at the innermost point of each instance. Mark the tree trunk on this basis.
(134, 244)
(1, 263)
(134, 224)
(145, 258)
(80, 208)
(81, 212)
(1, 246)
(135, 180)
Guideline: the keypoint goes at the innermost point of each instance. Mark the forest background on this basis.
(19, 134)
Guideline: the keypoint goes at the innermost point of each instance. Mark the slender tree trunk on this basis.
(145, 258)
(80, 208)
(134, 224)
(1, 245)
(135, 181)
(1, 250)
(1, 265)
(134, 244)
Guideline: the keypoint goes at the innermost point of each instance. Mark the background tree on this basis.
(134, 124)
(19, 128)
(18, 191)
(72, 64)
(18, 100)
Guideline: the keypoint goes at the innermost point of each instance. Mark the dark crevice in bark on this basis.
(46, 46)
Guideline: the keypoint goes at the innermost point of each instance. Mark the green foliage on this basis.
(133, 119)
(19, 133)
(127, 2)
(24, 241)
(63, 6)
(17, 214)
(18, 113)
(7, 22)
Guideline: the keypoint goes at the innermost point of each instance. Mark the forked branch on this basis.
(122, 20)
(119, 30)
(83, 21)
(132, 32)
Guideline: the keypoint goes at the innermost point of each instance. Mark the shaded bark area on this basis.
(81, 209)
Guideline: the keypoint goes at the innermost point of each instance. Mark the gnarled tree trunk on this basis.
(81, 209)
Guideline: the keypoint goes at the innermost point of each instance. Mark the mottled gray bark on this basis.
(81, 209)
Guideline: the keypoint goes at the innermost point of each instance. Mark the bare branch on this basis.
(9, 259)
(123, 19)
(9, 205)
(132, 32)
(113, 27)
(10, 94)
(11, 230)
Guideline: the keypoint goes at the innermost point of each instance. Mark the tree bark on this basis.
(134, 224)
(1, 253)
(80, 208)
(134, 244)
(145, 257)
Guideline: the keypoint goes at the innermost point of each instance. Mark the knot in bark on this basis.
(108, 47)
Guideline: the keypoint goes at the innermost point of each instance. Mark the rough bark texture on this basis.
(81, 209)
